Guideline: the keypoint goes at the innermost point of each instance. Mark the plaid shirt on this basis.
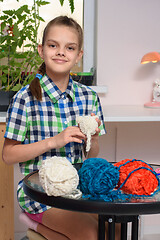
(29, 121)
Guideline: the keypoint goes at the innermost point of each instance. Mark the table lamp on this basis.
(153, 57)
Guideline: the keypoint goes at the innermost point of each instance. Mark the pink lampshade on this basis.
(150, 57)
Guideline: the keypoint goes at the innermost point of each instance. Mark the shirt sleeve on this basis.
(16, 120)
(97, 109)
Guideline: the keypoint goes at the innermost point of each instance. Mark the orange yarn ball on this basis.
(140, 182)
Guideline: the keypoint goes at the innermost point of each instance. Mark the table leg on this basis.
(135, 228)
(111, 229)
(101, 227)
(123, 231)
(111, 226)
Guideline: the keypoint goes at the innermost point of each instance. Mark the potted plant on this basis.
(17, 66)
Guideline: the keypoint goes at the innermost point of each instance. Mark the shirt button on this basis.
(65, 122)
(69, 155)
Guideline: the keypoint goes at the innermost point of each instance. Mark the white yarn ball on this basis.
(58, 177)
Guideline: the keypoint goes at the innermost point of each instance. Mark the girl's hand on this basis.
(96, 135)
(15, 152)
(70, 134)
(94, 150)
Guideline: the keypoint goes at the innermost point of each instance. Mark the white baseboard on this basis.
(153, 236)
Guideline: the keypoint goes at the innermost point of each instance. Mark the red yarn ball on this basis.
(140, 182)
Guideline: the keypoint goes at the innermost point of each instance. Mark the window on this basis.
(84, 14)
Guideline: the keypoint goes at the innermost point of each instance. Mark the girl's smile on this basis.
(59, 60)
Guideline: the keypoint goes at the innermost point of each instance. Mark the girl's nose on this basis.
(60, 52)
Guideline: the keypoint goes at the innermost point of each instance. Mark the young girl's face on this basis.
(60, 50)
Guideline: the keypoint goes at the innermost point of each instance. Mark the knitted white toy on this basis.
(58, 177)
(156, 91)
(88, 125)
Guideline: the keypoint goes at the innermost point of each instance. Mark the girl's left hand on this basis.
(94, 150)
(95, 136)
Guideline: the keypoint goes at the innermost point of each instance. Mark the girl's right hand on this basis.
(70, 134)
(15, 151)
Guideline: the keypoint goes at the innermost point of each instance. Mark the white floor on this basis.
(19, 236)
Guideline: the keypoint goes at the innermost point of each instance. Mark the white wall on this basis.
(126, 31)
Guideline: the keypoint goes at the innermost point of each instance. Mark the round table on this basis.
(113, 212)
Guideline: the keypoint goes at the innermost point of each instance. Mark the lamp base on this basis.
(152, 105)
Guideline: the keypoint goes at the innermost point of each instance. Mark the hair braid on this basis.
(35, 86)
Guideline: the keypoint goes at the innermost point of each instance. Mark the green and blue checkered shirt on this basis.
(29, 121)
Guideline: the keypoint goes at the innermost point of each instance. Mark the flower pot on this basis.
(85, 78)
(5, 99)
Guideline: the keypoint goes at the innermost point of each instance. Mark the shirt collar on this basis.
(71, 89)
(53, 91)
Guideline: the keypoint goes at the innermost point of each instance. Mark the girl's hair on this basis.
(35, 86)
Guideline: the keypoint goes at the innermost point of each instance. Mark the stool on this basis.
(32, 235)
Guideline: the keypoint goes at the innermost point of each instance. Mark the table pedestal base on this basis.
(111, 226)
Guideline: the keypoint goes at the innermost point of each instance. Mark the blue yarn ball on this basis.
(97, 176)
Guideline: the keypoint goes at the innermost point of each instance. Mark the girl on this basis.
(41, 123)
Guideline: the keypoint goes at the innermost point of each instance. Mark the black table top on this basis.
(140, 206)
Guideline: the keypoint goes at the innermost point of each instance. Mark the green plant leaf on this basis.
(10, 21)
(2, 55)
(28, 45)
(3, 25)
(4, 79)
(26, 9)
(42, 3)
(8, 12)
(71, 4)
(40, 18)
(17, 64)
(21, 18)
(22, 9)
(20, 42)
(5, 71)
(4, 17)
(17, 87)
(16, 32)
(61, 2)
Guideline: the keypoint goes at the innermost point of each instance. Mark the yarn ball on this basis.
(88, 125)
(97, 176)
(58, 177)
(136, 177)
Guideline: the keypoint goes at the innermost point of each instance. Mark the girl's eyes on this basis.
(71, 48)
(52, 45)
